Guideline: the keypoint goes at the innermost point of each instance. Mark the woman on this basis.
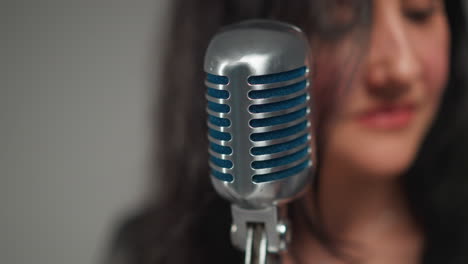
(391, 129)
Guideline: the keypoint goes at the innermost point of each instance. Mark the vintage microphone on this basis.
(260, 140)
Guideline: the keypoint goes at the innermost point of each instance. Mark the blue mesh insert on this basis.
(280, 161)
(280, 174)
(280, 91)
(222, 108)
(279, 133)
(220, 149)
(216, 79)
(222, 122)
(277, 120)
(221, 94)
(279, 147)
(277, 77)
(264, 108)
(219, 135)
(222, 176)
(221, 163)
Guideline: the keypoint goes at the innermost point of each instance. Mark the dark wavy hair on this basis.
(185, 221)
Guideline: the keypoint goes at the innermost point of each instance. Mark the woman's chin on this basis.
(382, 167)
(375, 153)
(382, 156)
(385, 160)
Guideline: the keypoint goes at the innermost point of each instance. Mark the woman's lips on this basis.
(387, 117)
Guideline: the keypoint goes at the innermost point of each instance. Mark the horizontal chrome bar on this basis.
(217, 100)
(278, 127)
(280, 154)
(280, 140)
(223, 143)
(278, 98)
(222, 170)
(281, 112)
(215, 86)
(219, 128)
(277, 84)
(281, 168)
(217, 114)
(220, 156)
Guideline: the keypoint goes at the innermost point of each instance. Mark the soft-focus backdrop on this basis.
(75, 106)
(75, 109)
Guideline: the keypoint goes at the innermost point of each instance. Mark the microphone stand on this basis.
(256, 247)
(261, 233)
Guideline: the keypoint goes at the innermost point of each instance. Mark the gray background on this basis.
(75, 104)
(75, 110)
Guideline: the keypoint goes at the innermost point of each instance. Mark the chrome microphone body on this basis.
(259, 123)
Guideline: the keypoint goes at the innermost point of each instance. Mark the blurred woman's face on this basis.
(379, 122)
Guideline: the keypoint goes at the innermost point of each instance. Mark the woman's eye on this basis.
(419, 15)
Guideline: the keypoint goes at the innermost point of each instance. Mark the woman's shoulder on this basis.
(175, 234)
(132, 236)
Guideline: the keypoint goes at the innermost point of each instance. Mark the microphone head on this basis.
(258, 109)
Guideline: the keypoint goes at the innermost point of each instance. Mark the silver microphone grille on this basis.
(258, 112)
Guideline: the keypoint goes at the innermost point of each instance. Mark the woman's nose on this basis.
(392, 66)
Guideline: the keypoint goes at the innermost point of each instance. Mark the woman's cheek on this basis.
(436, 72)
(433, 52)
